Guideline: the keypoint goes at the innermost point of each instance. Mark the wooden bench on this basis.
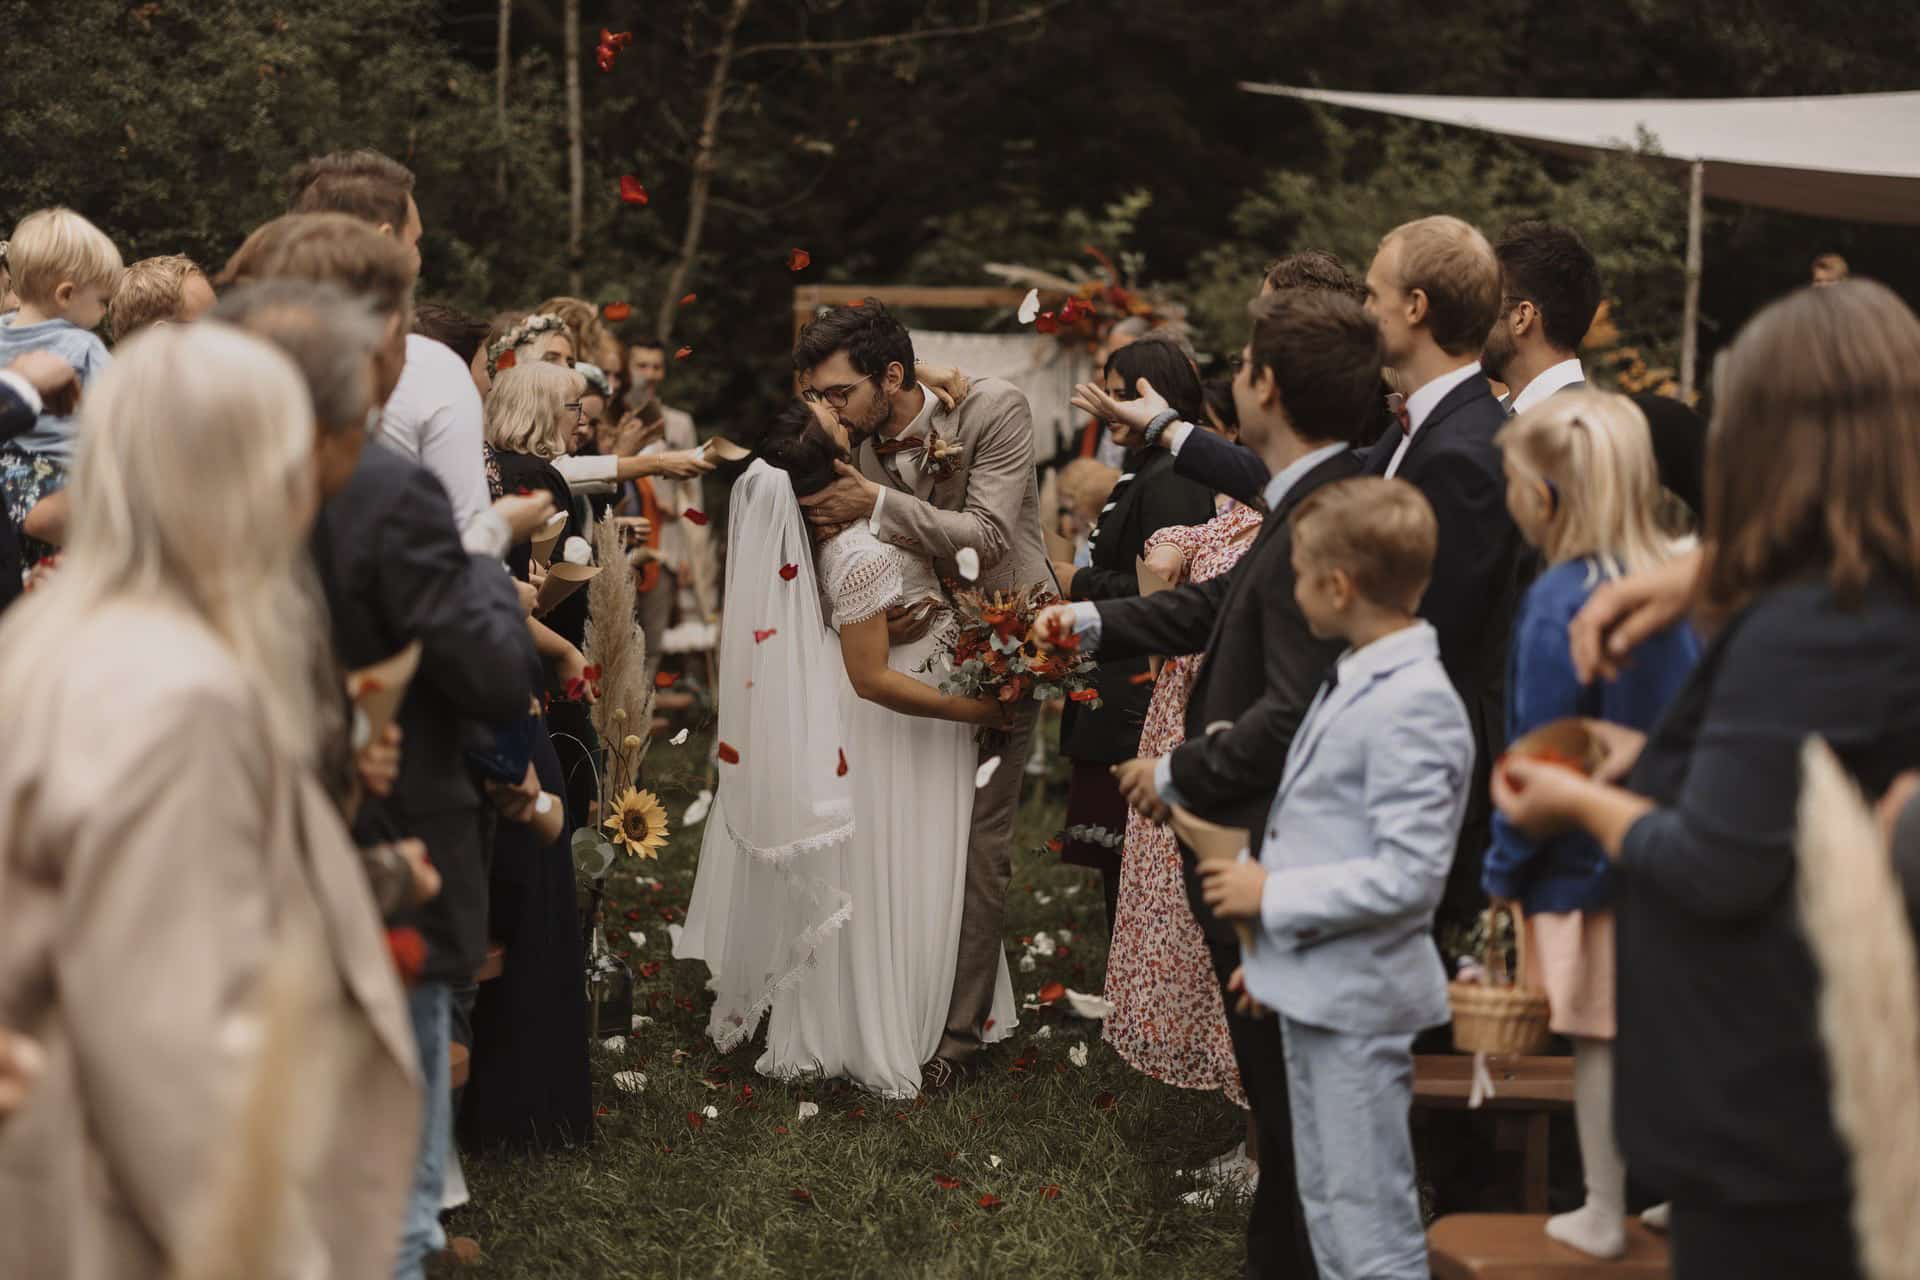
(1514, 1246)
(1527, 1091)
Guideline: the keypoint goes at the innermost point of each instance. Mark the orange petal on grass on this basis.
(1052, 991)
(945, 1183)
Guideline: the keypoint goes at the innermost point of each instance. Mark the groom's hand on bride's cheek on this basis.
(849, 498)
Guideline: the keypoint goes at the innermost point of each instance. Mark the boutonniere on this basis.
(939, 457)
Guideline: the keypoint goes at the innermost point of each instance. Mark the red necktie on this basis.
(1397, 406)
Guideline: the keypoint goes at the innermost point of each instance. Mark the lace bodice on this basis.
(861, 576)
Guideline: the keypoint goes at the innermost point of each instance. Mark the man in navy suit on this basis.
(1434, 290)
(1549, 292)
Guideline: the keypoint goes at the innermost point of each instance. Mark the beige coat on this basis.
(154, 855)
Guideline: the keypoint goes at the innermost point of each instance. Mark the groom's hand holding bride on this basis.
(846, 500)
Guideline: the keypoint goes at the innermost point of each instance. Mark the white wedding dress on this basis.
(826, 902)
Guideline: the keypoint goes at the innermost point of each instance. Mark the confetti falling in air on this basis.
(679, 739)
(1030, 306)
(727, 754)
(665, 679)
(683, 353)
(631, 192)
(967, 560)
(689, 300)
(698, 810)
(984, 774)
(693, 515)
(788, 572)
(799, 260)
(761, 637)
(617, 311)
(1047, 322)
(841, 770)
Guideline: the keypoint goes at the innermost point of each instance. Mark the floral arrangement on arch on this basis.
(1081, 307)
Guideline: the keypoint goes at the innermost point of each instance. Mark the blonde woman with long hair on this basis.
(1583, 491)
(162, 834)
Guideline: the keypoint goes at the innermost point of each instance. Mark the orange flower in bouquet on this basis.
(993, 655)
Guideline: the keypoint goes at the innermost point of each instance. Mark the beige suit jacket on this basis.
(989, 502)
(154, 851)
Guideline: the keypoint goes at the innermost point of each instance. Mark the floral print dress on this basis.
(1168, 1020)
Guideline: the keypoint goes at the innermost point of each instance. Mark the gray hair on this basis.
(328, 333)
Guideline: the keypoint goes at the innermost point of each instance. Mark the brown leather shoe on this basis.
(939, 1075)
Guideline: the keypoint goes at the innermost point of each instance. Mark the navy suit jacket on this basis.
(15, 417)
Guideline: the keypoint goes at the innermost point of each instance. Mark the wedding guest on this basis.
(1829, 268)
(28, 383)
(592, 340)
(1353, 860)
(1149, 497)
(1808, 579)
(394, 570)
(686, 549)
(1085, 485)
(1679, 454)
(1434, 288)
(170, 289)
(433, 416)
(463, 334)
(1307, 381)
(64, 269)
(1168, 1020)
(1549, 291)
(170, 824)
(1583, 491)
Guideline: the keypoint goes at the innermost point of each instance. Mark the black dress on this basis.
(529, 1084)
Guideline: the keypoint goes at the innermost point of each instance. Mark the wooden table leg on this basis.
(1534, 1164)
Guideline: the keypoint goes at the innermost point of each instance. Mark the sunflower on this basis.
(639, 823)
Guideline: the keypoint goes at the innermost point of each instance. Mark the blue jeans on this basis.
(428, 1005)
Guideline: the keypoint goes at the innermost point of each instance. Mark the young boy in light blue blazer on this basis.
(1352, 864)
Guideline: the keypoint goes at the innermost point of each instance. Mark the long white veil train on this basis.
(765, 896)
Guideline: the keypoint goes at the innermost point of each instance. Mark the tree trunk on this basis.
(576, 160)
(704, 162)
(502, 58)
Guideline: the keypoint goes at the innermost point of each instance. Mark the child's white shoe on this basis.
(1658, 1218)
(1590, 1229)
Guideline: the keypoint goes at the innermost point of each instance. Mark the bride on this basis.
(830, 882)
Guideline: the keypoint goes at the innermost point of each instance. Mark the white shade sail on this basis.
(1851, 156)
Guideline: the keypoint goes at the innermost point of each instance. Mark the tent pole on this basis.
(1690, 321)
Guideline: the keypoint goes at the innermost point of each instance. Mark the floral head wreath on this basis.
(521, 334)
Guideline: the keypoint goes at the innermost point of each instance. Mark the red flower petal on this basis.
(988, 1026)
(761, 637)
(1084, 695)
(1106, 1102)
(695, 1119)
(801, 1193)
(650, 968)
(409, 952)
(988, 1200)
(799, 260)
(601, 1111)
(1052, 991)
(506, 361)
(1050, 1192)
(788, 572)
(780, 1128)
(728, 754)
(841, 772)
(1144, 677)
(1046, 322)
(694, 516)
(603, 54)
(857, 1113)
(631, 191)
(669, 914)
(688, 300)
(1056, 845)
(615, 39)
(683, 353)
(856, 303)
(1060, 952)
(665, 679)
(945, 1183)
(617, 310)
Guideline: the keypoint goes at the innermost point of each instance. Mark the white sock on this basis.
(1598, 1227)
(1659, 1217)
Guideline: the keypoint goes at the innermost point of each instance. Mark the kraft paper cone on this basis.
(726, 450)
(379, 690)
(1567, 741)
(549, 534)
(563, 580)
(1151, 583)
(1212, 842)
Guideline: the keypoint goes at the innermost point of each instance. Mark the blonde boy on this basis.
(64, 269)
(171, 289)
(1351, 866)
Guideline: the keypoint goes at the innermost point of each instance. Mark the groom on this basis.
(936, 481)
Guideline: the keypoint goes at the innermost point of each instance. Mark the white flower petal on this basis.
(697, 811)
(1042, 898)
(1066, 935)
(637, 938)
(616, 1043)
(1028, 964)
(679, 739)
(967, 560)
(1030, 307)
(994, 1161)
(1071, 890)
(984, 774)
(711, 1113)
(630, 1081)
(1042, 945)
(808, 1110)
(1078, 1054)
(641, 1020)
(1086, 1006)
(1044, 1033)
(576, 551)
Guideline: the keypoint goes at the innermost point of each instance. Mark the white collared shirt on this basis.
(1422, 403)
(1552, 379)
(903, 462)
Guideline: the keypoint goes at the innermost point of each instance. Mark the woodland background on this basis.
(909, 141)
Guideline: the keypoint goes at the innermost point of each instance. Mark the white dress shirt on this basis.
(903, 462)
(1422, 403)
(1555, 378)
(434, 418)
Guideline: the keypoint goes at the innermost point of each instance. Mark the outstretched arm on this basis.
(863, 648)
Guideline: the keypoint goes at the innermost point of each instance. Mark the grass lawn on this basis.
(1039, 1170)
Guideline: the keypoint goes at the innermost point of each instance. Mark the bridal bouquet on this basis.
(995, 656)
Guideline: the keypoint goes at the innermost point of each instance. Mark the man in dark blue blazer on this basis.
(1434, 289)
(37, 378)
(1549, 293)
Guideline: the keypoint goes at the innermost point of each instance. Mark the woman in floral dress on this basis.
(1167, 1019)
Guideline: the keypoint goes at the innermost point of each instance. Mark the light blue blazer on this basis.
(1358, 844)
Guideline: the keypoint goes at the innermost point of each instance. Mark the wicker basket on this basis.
(1500, 1015)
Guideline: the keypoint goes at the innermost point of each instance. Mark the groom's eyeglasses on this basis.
(834, 396)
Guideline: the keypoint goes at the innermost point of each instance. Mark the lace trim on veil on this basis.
(780, 854)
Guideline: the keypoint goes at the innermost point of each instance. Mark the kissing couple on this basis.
(853, 877)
